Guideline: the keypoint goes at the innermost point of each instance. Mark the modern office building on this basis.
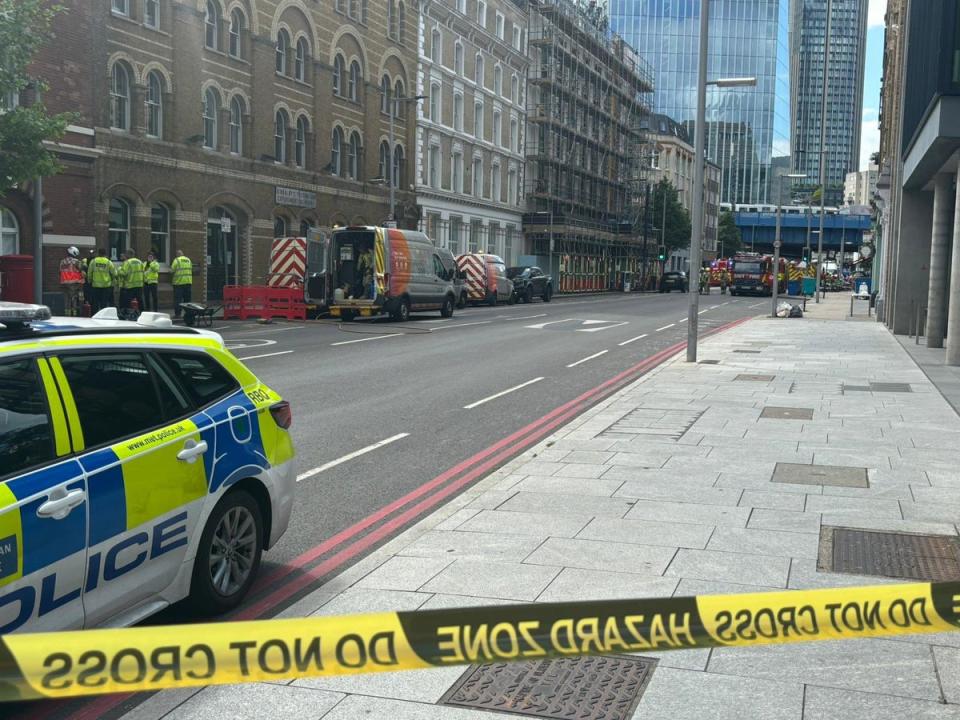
(748, 128)
(848, 40)
(860, 187)
(473, 69)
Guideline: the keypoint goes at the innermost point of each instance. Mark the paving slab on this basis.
(772, 500)
(483, 578)
(492, 546)
(534, 524)
(254, 701)
(679, 492)
(563, 505)
(355, 707)
(665, 511)
(730, 567)
(765, 542)
(602, 555)
(404, 573)
(821, 703)
(574, 584)
(568, 485)
(648, 532)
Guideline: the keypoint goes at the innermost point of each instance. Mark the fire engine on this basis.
(753, 274)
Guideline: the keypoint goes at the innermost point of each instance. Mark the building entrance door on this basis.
(222, 256)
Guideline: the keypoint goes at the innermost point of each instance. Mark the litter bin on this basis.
(793, 287)
(809, 286)
(16, 276)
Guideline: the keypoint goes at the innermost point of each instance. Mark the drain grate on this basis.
(665, 424)
(900, 555)
(586, 688)
(748, 352)
(746, 377)
(891, 387)
(835, 475)
(786, 413)
(856, 388)
(709, 362)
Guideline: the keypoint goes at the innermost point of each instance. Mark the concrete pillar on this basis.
(953, 319)
(943, 202)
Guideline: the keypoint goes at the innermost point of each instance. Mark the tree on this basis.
(24, 27)
(676, 221)
(728, 235)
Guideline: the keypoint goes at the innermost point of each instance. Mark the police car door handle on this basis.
(59, 507)
(192, 450)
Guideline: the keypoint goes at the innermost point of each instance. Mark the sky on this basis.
(870, 132)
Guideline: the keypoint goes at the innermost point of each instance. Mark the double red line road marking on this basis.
(354, 540)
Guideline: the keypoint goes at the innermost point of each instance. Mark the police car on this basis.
(140, 464)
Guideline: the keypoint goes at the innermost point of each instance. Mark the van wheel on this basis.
(548, 293)
(402, 312)
(228, 555)
(462, 302)
(492, 300)
(447, 309)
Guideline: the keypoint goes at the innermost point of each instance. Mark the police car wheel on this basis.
(229, 554)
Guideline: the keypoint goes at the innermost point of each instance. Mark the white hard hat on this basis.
(72, 251)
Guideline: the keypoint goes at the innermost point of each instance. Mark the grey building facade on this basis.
(748, 128)
(848, 40)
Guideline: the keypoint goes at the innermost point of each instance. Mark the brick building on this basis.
(220, 124)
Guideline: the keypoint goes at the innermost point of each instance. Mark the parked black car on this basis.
(673, 281)
(530, 282)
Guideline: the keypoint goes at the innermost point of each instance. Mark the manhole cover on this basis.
(856, 388)
(749, 352)
(587, 688)
(754, 378)
(900, 555)
(787, 413)
(709, 362)
(890, 387)
(820, 475)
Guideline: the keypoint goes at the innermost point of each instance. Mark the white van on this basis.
(376, 270)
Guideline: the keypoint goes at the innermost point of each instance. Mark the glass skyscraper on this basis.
(748, 128)
(848, 38)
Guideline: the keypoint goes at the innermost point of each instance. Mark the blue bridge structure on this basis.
(758, 229)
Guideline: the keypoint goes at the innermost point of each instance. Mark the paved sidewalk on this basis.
(665, 489)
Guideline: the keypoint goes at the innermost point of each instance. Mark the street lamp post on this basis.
(392, 178)
(699, 151)
(777, 243)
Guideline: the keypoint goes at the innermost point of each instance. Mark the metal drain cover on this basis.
(709, 362)
(750, 352)
(892, 387)
(835, 475)
(786, 413)
(754, 378)
(606, 687)
(900, 555)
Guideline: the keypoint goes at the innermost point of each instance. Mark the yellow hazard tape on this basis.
(154, 658)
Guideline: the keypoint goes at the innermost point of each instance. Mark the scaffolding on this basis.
(588, 106)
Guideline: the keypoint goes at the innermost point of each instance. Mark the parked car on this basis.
(486, 278)
(673, 281)
(530, 282)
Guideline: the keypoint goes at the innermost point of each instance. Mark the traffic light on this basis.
(806, 255)
(662, 253)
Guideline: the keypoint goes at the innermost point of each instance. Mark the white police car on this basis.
(140, 464)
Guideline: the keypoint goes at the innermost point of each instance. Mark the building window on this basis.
(398, 91)
(385, 95)
(306, 225)
(151, 14)
(336, 152)
(398, 166)
(280, 123)
(495, 183)
(353, 156)
(462, 6)
(118, 229)
(457, 111)
(283, 43)
(436, 47)
(121, 7)
(9, 101)
(478, 120)
(211, 106)
(354, 12)
(300, 62)
(433, 179)
(515, 89)
(514, 135)
(279, 226)
(499, 26)
(160, 232)
(392, 19)
(498, 80)
(236, 33)
(497, 128)
(212, 26)
(383, 167)
(236, 126)
(481, 13)
(435, 102)
(402, 23)
(300, 146)
(477, 177)
(512, 186)
(9, 233)
(456, 230)
(364, 11)
(516, 39)
(119, 97)
(338, 75)
(456, 182)
(353, 89)
(478, 70)
(342, 6)
(458, 58)
(154, 105)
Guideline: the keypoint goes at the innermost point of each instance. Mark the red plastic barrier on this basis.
(244, 302)
(232, 303)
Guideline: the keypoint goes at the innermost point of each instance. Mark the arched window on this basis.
(342, 6)
(211, 25)
(497, 129)
(300, 63)
(398, 167)
(237, 22)
(306, 225)
(236, 126)
(457, 111)
(476, 177)
(338, 75)
(151, 14)
(401, 23)
(383, 169)
(515, 89)
(514, 135)
(478, 71)
(300, 148)
(154, 104)
(495, 182)
(364, 11)
(354, 11)
(436, 46)
(280, 123)
(336, 152)
(392, 18)
(119, 97)
(353, 156)
(398, 91)
(279, 226)
(118, 228)
(160, 232)
(283, 47)
(353, 90)
(458, 58)
(211, 107)
(385, 94)
(498, 80)
(478, 120)
(435, 102)
(9, 233)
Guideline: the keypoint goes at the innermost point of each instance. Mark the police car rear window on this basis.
(200, 375)
(26, 438)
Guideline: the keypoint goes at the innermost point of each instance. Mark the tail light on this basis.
(282, 414)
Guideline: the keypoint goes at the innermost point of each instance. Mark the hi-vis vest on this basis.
(151, 275)
(70, 272)
(182, 271)
(131, 273)
(101, 272)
